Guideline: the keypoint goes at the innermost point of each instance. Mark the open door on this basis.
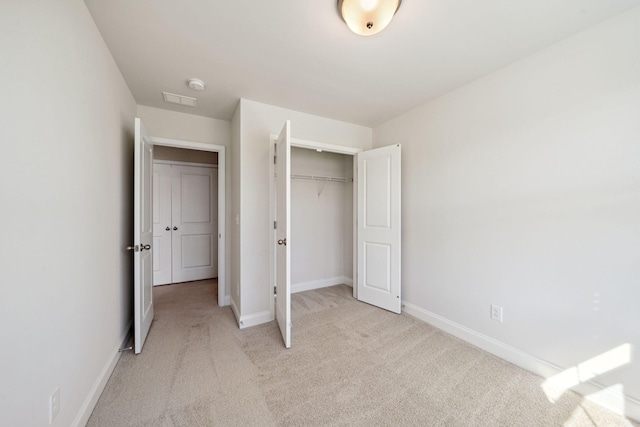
(142, 236)
(378, 252)
(283, 215)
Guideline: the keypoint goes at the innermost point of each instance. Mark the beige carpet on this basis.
(350, 364)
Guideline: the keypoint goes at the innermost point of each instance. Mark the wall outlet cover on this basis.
(496, 312)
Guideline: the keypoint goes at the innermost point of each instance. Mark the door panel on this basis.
(377, 259)
(377, 198)
(161, 221)
(195, 201)
(378, 252)
(194, 228)
(283, 221)
(143, 235)
(196, 250)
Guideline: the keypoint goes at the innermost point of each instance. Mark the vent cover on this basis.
(179, 99)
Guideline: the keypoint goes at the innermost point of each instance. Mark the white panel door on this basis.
(161, 224)
(194, 226)
(283, 221)
(142, 235)
(378, 231)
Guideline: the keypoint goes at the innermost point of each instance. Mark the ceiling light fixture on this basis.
(368, 17)
(196, 84)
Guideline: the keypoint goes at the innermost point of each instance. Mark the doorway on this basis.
(321, 219)
(324, 171)
(185, 215)
(189, 152)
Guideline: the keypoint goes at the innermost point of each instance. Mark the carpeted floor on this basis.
(350, 364)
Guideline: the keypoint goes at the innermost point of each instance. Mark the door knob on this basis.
(282, 242)
(145, 247)
(168, 228)
(175, 228)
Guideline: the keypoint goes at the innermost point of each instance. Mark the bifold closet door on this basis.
(194, 223)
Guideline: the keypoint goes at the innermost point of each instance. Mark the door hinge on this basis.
(275, 225)
(275, 159)
(275, 291)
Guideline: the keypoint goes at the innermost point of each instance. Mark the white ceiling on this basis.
(299, 54)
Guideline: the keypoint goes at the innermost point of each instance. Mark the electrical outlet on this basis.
(54, 405)
(496, 312)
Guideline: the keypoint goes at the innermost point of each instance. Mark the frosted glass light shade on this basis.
(368, 17)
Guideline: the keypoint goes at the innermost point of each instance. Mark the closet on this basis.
(184, 216)
(314, 231)
(321, 219)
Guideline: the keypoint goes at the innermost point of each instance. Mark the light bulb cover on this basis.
(367, 17)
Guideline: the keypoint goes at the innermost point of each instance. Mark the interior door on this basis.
(194, 227)
(142, 235)
(161, 224)
(283, 248)
(378, 253)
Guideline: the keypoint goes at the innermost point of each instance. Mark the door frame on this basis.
(223, 300)
(321, 146)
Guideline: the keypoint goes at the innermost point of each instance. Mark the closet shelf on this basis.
(321, 178)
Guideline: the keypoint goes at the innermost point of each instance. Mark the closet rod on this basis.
(321, 178)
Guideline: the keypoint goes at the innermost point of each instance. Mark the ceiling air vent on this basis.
(179, 99)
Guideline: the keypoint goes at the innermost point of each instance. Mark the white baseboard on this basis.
(89, 404)
(322, 283)
(255, 319)
(250, 319)
(592, 391)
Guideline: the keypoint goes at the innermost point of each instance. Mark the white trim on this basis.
(178, 163)
(91, 400)
(256, 319)
(522, 359)
(323, 146)
(222, 203)
(222, 227)
(189, 145)
(322, 283)
(236, 312)
(354, 233)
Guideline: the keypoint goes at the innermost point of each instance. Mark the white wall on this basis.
(320, 217)
(257, 122)
(188, 127)
(522, 189)
(66, 137)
